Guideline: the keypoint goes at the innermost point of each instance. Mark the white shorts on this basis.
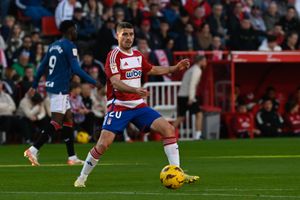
(59, 103)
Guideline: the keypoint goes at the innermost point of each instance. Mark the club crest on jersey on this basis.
(133, 74)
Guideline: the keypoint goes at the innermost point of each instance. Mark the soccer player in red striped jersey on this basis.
(124, 68)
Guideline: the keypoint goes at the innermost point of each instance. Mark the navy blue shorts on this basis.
(142, 118)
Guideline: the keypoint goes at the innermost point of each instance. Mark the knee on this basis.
(169, 131)
(102, 147)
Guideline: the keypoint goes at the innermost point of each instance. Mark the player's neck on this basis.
(126, 51)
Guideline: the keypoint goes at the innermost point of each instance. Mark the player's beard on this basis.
(127, 46)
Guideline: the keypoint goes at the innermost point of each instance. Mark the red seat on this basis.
(49, 27)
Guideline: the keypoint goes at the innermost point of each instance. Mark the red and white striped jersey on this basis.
(130, 67)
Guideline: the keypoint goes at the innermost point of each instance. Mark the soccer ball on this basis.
(82, 137)
(172, 177)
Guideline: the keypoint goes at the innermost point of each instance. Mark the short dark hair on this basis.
(74, 85)
(37, 98)
(122, 25)
(65, 25)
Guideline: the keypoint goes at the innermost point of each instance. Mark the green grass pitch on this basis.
(229, 170)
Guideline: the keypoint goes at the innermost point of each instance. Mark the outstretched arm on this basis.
(78, 71)
(159, 70)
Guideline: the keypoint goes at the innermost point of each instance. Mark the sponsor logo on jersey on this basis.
(49, 84)
(133, 74)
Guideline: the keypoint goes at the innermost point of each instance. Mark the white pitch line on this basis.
(153, 194)
(248, 156)
(66, 165)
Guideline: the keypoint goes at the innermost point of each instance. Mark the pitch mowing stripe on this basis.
(66, 165)
(153, 194)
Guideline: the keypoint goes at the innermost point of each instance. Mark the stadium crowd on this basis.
(161, 27)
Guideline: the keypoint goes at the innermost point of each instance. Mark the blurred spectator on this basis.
(106, 39)
(235, 19)
(238, 99)
(163, 35)
(246, 38)
(93, 10)
(27, 81)
(35, 37)
(2, 44)
(65, 10)
(292, 118)
(296, 97)
(290, 22)
(39, 52)
(33, 9)
(94, 67)
(200, 9)
(144, 32)
(187, 99)
(270, 44)
(216, 44)
(26, 47)
(10, 84)
(270, 93)
(7, 27)
(121, 5)
(23, 63)
(278, 32)
(199, 16)
(241, 122)
(7, 108)
(181, 23)
(153, 15)
(135, 14)
(217, 22)
(85, 29)
(119, 15)
(187, 41)
(172, 12)
(162, 57)
(89, 121)
(268, 121)
(107, 14)
(77, 107)
(204, 37)
(14, 41)
(271, 16)
(99, 106)
(143, 47)
(31, 112)
(256, 19)
(291, 42)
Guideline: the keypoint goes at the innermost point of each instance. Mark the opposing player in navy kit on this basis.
(60, 62)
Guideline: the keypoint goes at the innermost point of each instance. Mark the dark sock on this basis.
(44, 136)
(68, 137)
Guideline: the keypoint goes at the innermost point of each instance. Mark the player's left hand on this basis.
(183, 64)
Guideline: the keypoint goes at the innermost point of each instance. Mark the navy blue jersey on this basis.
(59, 64)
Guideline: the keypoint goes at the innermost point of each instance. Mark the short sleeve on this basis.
(111, 65)
(71, 51)
(146, 66)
